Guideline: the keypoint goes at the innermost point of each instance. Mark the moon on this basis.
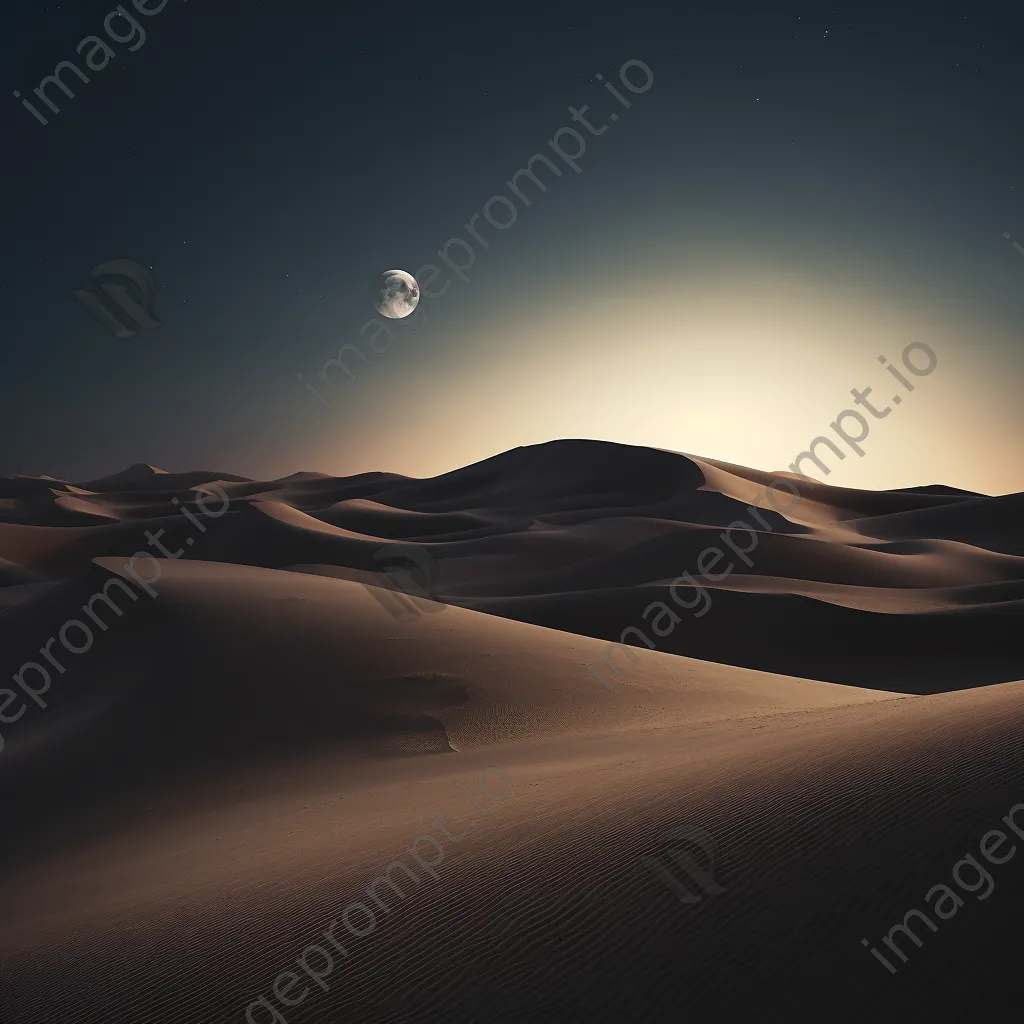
(395, 294)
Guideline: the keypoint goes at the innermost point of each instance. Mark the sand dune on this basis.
(587, 537)
(253, 736)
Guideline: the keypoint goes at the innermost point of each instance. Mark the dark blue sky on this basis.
(267, 161)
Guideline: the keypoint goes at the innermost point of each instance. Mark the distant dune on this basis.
(226, 766)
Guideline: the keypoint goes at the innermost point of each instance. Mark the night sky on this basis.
(798, 192)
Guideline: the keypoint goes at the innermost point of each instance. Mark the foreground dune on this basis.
(264, 726)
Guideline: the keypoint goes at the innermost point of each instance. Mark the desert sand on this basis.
(233, 761)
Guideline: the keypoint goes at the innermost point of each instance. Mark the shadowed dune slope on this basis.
(603, 540)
